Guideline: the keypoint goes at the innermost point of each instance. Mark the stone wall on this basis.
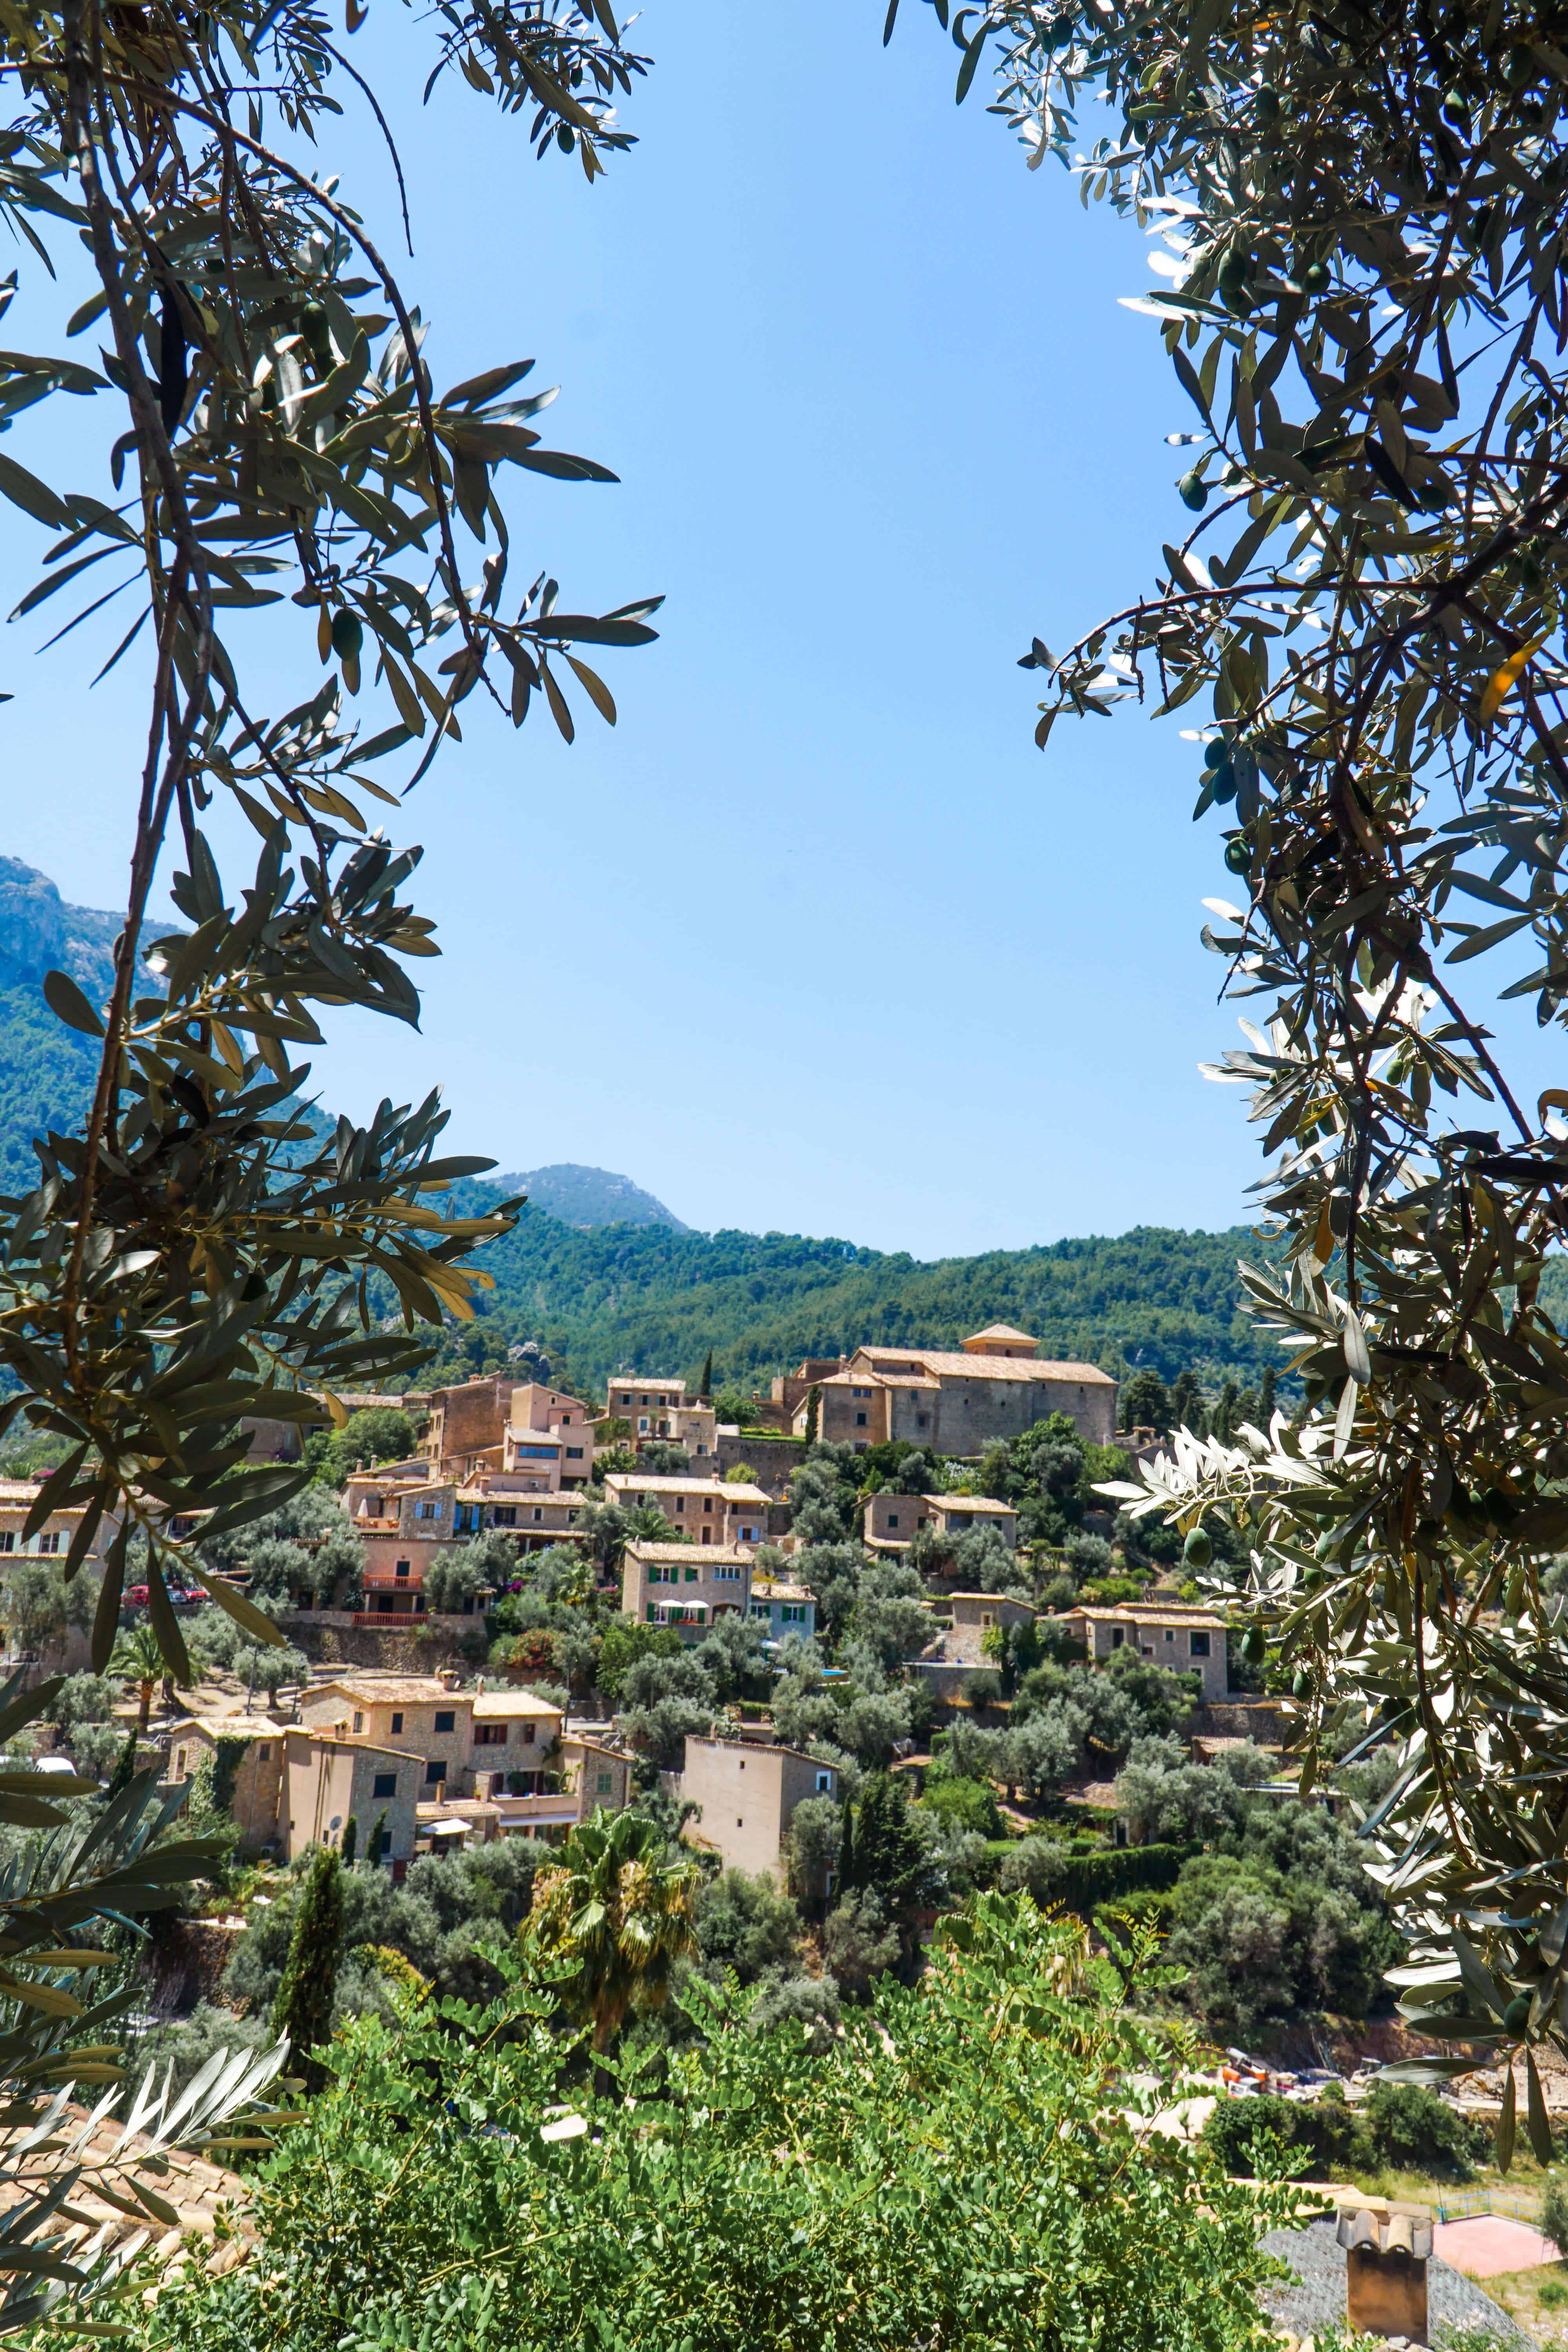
(774, 1460)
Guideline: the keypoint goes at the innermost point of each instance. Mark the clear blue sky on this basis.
(815, 939)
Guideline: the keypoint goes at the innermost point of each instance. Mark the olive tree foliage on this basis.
(1357, 208)
(71, 1870)
(274, 427)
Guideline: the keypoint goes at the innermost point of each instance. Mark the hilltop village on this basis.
(861, 1648)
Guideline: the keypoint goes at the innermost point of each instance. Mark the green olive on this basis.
(1197, 1551)
(1302, 1683)
(1237, 855)
(348, 635)
(1233, 274)
(1254, 1645)
(1193, 491)
(1315, 277)
(1516, 2016)
(1265, 105)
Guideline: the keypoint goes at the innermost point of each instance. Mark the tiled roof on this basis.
(393, 1690)
(765, 1588)
(224, 1727)
(947, 1365)
(970, 1503)
(1002, 1331)
(503, 1707)
(1155, 1619)
(689, 1554)
(624, 1481)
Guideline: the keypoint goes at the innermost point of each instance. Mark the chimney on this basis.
(449, 1678)
(1386, 2252)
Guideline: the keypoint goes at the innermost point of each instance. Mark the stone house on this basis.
(422, 1715)
(974, 1615)
(748, 1795)
(468, 1425)
(685, 1585)
(892, 1521)
(1187, 1639)
(958, 1402)
(327, 1780)
(785, 1608)
(249, 1747)
(535, 1407)
(403, 1523)
(707, 1510)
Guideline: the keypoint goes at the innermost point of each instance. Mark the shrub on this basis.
(1415, 2131)
(1328, 2139)
(1555, 2210)
(967, 1804)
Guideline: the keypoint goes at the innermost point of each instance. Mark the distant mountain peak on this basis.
(591, 1196)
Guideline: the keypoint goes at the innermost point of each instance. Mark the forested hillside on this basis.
(654, 1300)
(46, 1069)
(652, 1296)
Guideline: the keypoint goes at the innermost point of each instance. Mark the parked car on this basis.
(137, 1597)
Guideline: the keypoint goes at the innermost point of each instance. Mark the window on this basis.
(680, 1502)
(740, 1821)
(504, 1515)
(1199, 1646)
(920, 1420)
(527, 1735)
(708, 1502)
(385, 1847)
(1118, 1635)
(604, 1783)
(792, 1613)
(626, 1399)
(48, 1543)
(859, 1420)
(385, 1785)
(397, 1724)
(1169, 1636)
(707, 1534)
(892, 1521)
(436, 1771)
(538, 1513)
(489, 1734)
(8, 1540)
(824, 1784)
(726, 1575)
(402, 1568)
(427, 1511)
(359, 1720)
(690, 1576)
(265, 1752)
(540, 1452)
(642, 1399)
(180, 1765)
(573, 1454)
(445, 1718)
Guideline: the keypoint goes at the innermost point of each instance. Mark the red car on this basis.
(138, 1597)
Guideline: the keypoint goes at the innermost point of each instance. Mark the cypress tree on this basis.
(303, 2010)
(377, 1839)
(706, 1389)
(351, 1841)
(1266, 1397)
(813, 1415)
(124, 1771)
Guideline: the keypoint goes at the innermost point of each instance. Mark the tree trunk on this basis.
(146, 1708)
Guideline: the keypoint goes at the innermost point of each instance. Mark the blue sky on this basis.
(815, 939)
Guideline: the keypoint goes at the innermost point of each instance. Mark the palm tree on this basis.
(138, 1658)
(620, 1913)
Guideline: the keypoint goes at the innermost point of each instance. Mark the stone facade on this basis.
(1187, 1640)
(259, 1780)
(685, 1585)
(705, 1510)
(957, 1401)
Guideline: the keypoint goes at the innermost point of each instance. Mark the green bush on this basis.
(420, 2203)
(967, 1804)
(1555, 2210)
(1321, 2141)
(1415, 2131)
(1401, 2126)
(1104, 1874)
